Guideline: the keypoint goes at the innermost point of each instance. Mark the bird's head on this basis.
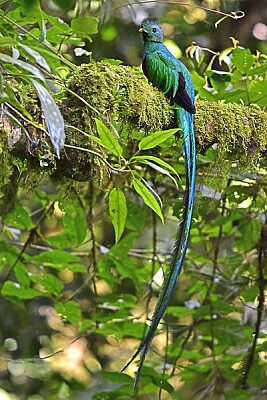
(151, 30)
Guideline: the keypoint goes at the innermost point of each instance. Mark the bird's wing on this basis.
(168, 74)
(161, 71)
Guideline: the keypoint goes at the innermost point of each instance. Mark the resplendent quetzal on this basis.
(171, 76)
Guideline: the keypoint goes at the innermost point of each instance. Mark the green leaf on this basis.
(12, 289)
(69, 311)
(105, 268)
(50, 283)
(107, 138)
(258, 70)
(121, 328)
(165, 385)
(117, 377)
(198, 80)
(6, 41)
(37, 56)
(257, 374)
(148, 197)
(250, 233)
(157, 160)
(228, 332)
(60, 260)
(156, 138)
(250, 293)
(22, 64)
(59, 23)
(220, 82)
(237, 394)
(41, 197)
(14, 101)
(179, 311)
(117, 211)
(74, 223)
(158, 168)
(56, 256)
(19, 218)
(55, 35)
(242, 59)
(118, 258)
(235, 96)
(21, 273)
(85, 325)
(53, 118)
(258, 92)
(32, 8)
(85, 25)
(121, 393)
(136, 217)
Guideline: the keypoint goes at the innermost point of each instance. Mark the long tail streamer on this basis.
(185, 121)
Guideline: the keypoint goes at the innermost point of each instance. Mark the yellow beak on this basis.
(141, 30)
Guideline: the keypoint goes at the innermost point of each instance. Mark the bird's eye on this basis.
(154, 30)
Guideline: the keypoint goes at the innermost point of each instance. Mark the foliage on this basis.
(76, 258)
(242, 79)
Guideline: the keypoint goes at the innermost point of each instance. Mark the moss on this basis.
(239, 134)
(6, 169)
(116, 94)
(239, 131)
(119, 94)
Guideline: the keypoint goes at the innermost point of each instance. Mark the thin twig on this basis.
(97, 155)
(262, 265)
(30, 239)
(235, 14)
(214, 270)
(165, 358)
(91, 208)
(182, 347)
(45, 44)
(38, 358)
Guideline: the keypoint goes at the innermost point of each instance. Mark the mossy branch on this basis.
(121, 96)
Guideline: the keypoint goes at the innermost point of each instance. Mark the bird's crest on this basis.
(150, 21)
(151, 30)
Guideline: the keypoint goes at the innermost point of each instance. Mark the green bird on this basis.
(171, 76)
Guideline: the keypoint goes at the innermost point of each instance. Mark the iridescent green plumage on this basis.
(171, 76)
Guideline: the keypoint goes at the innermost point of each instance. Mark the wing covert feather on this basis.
(161, 72)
